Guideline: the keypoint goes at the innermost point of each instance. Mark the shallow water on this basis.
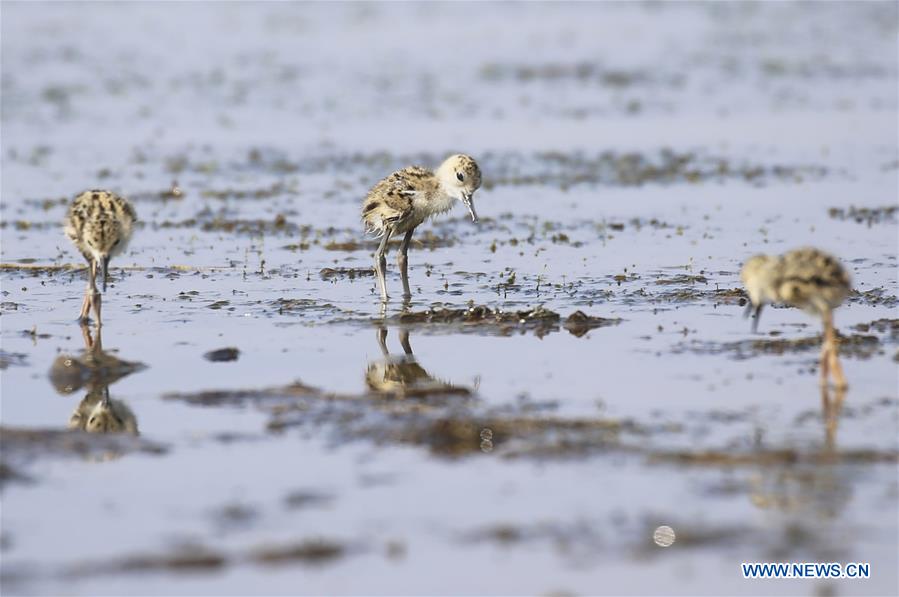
(634, 156)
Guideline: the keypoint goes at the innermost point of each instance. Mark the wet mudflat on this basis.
(570, 374)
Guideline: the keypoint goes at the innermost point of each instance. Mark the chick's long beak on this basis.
(755, 318)
(748, 311)
(468, 200)
(105, 264)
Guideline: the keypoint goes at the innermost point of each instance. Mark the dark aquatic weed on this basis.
(579, 323)
(568, 537)
(690, 293)
(8, 474)
(483, 319)
(873, 297)
(620, 279)
(302, 499)
(46, 270)
(883, 326)
(426, 240)
(37, 269)
(222, 355)
(286, 305)
(27, 225)
(29, 443)
(241, 397)
(854, 345)
(350, 273)
(566, 169)
(445, 427)
(12, 358)
(267, 192)
(683, 279)
(580, 71)
(211, 222)
(34, 334)
(468, 434)
(196, 559)
(718, 296)
(865, 215)
(465, 429)
(192, 559)
(773, 457)
(317, 551)
(48, 204)
(633, 169)
(235, 515)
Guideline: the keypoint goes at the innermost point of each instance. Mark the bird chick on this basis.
(807, 278)
(402, 201)
(99, 224)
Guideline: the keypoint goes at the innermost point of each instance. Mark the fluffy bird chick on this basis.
(99, 224)
(805, 278)
(399, 203)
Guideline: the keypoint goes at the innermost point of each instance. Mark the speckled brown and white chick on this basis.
(809, 279)
(99, 223)
(399, 203)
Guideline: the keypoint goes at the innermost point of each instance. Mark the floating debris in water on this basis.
(222, 355)
(317, 551)
(579, 323)
(346, 272)
(12, 358)
(865, 215)
(858, 346)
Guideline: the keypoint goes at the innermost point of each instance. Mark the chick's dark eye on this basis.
(460, 176)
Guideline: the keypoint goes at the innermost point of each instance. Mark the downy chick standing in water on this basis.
(99, 224)
(399, 203)
(806, 278)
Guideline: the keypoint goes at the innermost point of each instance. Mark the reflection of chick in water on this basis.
(98, 413)
(819, 488)
(95, 370)
(402, 376)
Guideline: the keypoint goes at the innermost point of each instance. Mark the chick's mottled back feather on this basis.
(391, 201)
(99, 222)
(811, 278)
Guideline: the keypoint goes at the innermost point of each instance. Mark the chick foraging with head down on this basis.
(100, 224)
(400, 202)
(808, 279)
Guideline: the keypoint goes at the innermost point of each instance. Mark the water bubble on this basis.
(664, 536)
